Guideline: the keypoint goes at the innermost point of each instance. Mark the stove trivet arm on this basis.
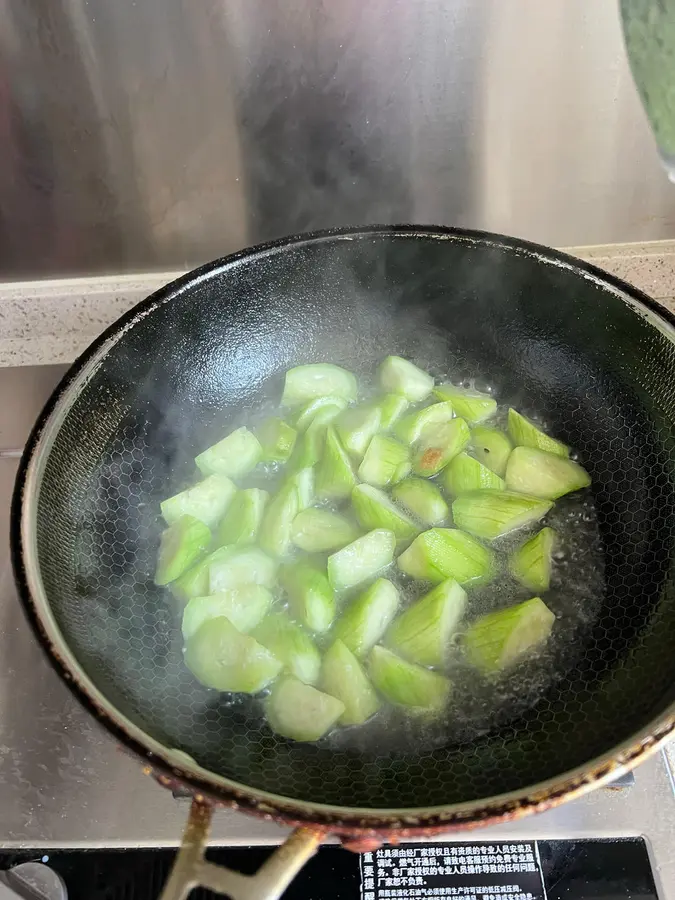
(191, 870)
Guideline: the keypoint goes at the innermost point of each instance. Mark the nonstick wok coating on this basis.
(552, 335)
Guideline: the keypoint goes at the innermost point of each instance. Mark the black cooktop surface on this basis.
(551, 870)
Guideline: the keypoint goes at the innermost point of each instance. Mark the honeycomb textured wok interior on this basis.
(553, 340)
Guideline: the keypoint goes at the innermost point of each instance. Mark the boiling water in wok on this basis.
(479, 702)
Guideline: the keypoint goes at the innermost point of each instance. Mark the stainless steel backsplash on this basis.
(152, 134)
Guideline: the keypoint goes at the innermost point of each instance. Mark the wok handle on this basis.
(191, 870)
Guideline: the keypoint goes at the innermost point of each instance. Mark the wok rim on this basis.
(173, 768)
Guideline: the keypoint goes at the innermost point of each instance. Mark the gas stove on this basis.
(66, 788)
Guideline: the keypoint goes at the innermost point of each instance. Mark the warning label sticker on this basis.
(498, 871)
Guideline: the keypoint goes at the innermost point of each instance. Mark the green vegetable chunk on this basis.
(236, 455)
(491, 447)
(422, 633)
(543, 474)
(243, 518)
(342, 676)
(362, 559)
(468, 474)
(239, 566)
(499, 640)
(300, 712)
(290, 643)
(411, 427)
(356, 428)
(195, 582)
(223, 658)
(303, 482)
(335, 477)
(473, 406)
(405, 683)
(399, 376)
(319, 530)
(530, 564)
(442, 553)
(325, 409)
(386, 461)
(367, 617)
(491, 514)
(305, 383)
(392, 407)
(277, 439)
(310, 596)
(438, 445)
(526, 434)
(423, 499)
(309, 446)
(375, 510)
(207, 501)
(277, 523)
(180, 546)
(245, 607)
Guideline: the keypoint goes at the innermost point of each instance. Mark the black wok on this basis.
(557, 336)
